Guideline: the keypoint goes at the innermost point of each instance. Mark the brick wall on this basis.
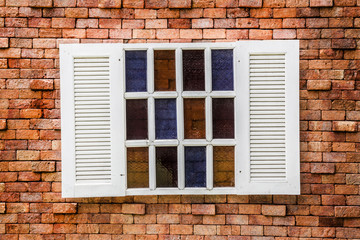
(31, 206)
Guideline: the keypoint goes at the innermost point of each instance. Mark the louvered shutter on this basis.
(92, 128)
(268, 114)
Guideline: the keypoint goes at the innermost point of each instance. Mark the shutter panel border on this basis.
(116, 187)
(291, 50)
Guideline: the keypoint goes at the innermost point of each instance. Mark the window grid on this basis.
(181, 142)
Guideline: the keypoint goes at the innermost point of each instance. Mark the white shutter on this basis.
(268, 133)
(93, 163)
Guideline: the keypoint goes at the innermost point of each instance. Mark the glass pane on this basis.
(166, 167)
(223, 167)
(194, 118)
(135, 65)
(165, 118)
(222, 69)
(136, 119)
(193, 70)
(223, 117)
(164, 61)
(195, 166)
(137, 167)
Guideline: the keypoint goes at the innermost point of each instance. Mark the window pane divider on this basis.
(137, 95)
(180, 118)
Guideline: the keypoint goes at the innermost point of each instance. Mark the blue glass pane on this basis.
(222, 70)
(165, 118)
(135, 65)
(195, 166)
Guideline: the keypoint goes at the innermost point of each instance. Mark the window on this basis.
(194, 118)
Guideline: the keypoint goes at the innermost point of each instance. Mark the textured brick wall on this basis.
(31, 206)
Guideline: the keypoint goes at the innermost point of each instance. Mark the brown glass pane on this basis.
(194, 118)
(136, 119)
(224, 167)
(164, 61)
(137, 168)
(193, 70)
(166, 167)
(223, 118)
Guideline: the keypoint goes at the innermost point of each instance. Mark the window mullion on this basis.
(180, 118)
(151, 118)
(208, 120)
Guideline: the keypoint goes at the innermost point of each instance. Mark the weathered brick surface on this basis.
(31, 206)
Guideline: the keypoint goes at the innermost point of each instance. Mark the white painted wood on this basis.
(89, 80)
(209, 167)
(270, 106)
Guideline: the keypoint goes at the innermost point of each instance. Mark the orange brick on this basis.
(64, 207)
(214, 13)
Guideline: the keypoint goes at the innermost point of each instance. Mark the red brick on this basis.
(120, 33)
(249, 209)
(133, 24)
(284, 13)
(272, 210)
(344, 126)
(179, 23)
(64, 3)
(191, 33)
(64, 207)
(40, 3)
(134, 229)
(321, 3)
(237, 34)
(181, 229)
(167, 33)
(156, 3)
(133, 208)
(261, 13)
(156, 23)
(347, 211)
(247, 23)
(260, 34)
(343, 44)
(109, 3)
(179, 3)
(250, 3)
(284, 34)
(224, 23)
(63, 22)
(204, 230)
(133, 4)
(203, 209)
(213, 13)
(145, 13)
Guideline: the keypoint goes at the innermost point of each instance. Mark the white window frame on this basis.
(241, 142)
(180, 95)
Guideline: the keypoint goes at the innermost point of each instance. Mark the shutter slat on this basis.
(92, 119)
(267, 117)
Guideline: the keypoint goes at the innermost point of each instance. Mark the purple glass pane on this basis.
(165, 118)
(136, 119)
(135, 65)
(193, 70)
(195, 166)
(223, 118)
(222, 70)
(166, 167)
